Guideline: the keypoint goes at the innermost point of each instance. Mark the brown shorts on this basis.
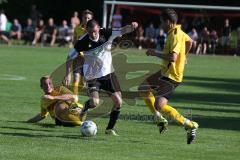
(162, 86)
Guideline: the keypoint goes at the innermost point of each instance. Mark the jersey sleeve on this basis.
(186, 37)
(176, 45)
(78, 46)
(106, 32)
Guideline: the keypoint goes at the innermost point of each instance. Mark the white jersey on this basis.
(97, 54)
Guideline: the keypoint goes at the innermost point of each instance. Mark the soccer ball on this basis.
(88, 128)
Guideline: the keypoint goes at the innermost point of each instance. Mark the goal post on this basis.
(160, 5)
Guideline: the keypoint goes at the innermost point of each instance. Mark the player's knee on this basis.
(160, 102)
(118, 103)
(95, 102)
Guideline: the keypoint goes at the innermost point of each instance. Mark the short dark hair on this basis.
(44, 78)
(169, 14)
(92, 23)
(87, 12)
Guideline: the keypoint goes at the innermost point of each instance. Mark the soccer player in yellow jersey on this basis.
(60, 103)
(158, 88)
(74, 60)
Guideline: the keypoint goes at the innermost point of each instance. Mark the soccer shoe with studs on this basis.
(83, 116)
(162, 125)
(111, 132)
(191, 133)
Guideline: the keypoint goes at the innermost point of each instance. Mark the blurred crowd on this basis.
(36, 31)
(205, 40)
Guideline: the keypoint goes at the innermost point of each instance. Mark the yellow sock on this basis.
(174, 114)
(75, 88)
(149, 100)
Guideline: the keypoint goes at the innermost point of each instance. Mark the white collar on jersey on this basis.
(95, 40)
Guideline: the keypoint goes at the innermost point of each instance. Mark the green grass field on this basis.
(211, 90)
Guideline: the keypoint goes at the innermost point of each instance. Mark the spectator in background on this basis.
(194, 36)
(3, 21)
(226, 36)
(203, 41)
(117, 20)
(35, 15)
(64, 34)
(75, 21)
(161, 39)
(16, 30)
(50, 32)
(38, 32)
(28, 32)
(213, 41)
(139, 36)
(3, 27)
(150, 36)
(238, 42)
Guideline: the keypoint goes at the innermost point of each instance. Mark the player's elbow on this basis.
(174, 57)
(189, 44)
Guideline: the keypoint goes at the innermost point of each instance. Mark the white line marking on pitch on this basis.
(11, 77)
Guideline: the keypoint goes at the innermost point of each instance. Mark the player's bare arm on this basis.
(64, 97)
(129, 28)
(170, 57)
(67, 77)
(188, 46)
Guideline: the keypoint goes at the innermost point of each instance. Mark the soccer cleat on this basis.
(111, 132)
(83, 116)
(162, 125)
(191, 133)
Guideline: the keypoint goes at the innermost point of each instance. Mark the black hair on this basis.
(87, 12)
(169, 14)
(1, 11)
(92, 23)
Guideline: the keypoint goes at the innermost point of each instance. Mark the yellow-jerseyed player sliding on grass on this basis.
(60, 103)
(158, 88)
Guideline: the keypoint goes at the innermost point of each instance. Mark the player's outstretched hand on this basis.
(134, 25)
(151, 52)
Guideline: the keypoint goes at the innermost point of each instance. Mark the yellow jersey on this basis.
(47, 105)
(175, 43)
(79, 31)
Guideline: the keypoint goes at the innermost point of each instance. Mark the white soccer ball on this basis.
(88, 128)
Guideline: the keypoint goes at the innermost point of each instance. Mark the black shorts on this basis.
(107, 83)
(78, 65)
(162, 86)
(65, 124)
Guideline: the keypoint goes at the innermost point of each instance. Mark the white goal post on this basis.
(159, 5)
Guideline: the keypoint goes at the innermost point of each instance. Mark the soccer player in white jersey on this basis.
(98, 69)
